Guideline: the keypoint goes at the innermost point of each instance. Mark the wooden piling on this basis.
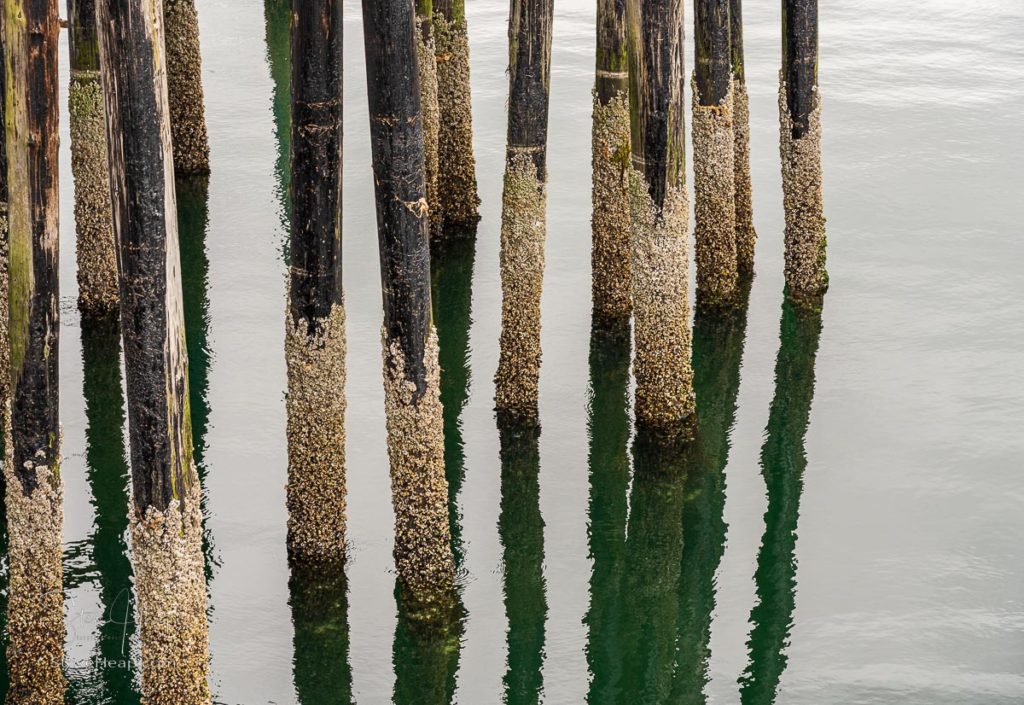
(96, 254)
(5, 343)
(713, 148)
(659, 211)
(165, 518)
(185, 87)
(315, 337)
(423, 553)
(800, 147)
(457, 189)
(427, 62)
(610, 265)
(34, 486)
(524, 207)
(746, 235)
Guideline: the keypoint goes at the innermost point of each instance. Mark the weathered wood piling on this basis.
(610, 253)
(166, 521)
(713, 149)
(423, 553)
(315, 336)
(32, 463)
(524, 207)
(426, 60)
(457, 190)
(5, 343)
(746, 235)
(185, 87)
(660, 212)
(96, 254)
(800, 147)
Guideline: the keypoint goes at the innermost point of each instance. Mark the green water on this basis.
(846, 528)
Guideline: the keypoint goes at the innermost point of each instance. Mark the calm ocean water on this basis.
(851, 525)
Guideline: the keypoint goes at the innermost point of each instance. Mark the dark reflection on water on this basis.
(652, 589)
(521, 530)
(425, 657)
(112, 675)
(783, 462)
(320, 663)
(278, 22)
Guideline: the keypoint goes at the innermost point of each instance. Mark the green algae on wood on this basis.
(315, 338)
(166, 520)
(423, 552)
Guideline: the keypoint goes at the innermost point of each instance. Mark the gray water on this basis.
(907, 568)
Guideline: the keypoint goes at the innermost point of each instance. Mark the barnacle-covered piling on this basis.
(315, 335)
(713, 150)
(423, 553)
(524, 207)
(32, 437)
(457, 189)
(800, 149)
(659, 209)
(611, 276)
(426, 60)
(185, 87)
(97, 258)
(746, 235)
(165, 522)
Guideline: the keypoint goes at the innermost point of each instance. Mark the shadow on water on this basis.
(277, 15)
(652, 590)
(193, 195)
(111, 677)
(320, 663)
(783, 461)
(521, 531)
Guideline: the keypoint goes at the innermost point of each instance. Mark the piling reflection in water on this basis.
(652, 589)
(426, 656)
(112, 674)
(521, 530)
(278, 15)
(320, 664)
(783, 461)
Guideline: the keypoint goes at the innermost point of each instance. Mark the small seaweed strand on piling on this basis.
(315, 336)
(96, 254)
(746, 235)
(659, 215)
(457, 187)
(423, 552)
(713, 149)
(32, 476)
(524, 206)
(800, 148)
(611, 276)
(165, 521)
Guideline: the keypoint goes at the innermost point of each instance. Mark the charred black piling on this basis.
(185, 87)
(746, 235)
(783, 463)
(315, 335)
(165, 518)
(426, 60)
(423, 553)
(32, 472)
(713, 148)
(660, 212)
(524, 207)
(97, 258)
(457, 193)
(610, 261)
(800, 148)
